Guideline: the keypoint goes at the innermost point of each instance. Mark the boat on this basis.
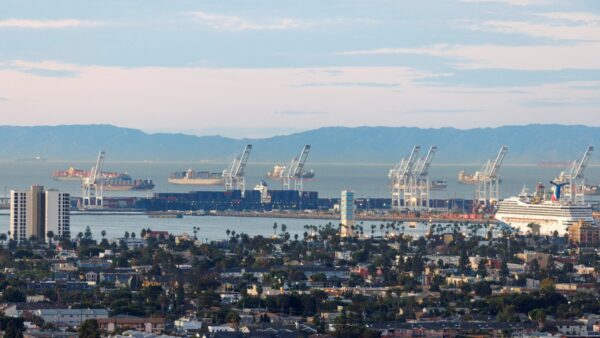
(278, 170)
(31, 159)
(465, 178)
(165, 215)
(440, 184)
(192, 177)
(126, 183)
(555, 215)
(589, 189)
(74, 174)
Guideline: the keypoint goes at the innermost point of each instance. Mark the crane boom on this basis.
(97, 169)
(299, 163)
(422, 167)
(495, 166)
(241, 161)
(583, 162)
(406, 167)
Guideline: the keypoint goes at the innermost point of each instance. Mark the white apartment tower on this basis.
(347, 213)
(35, 212)
(58, 210)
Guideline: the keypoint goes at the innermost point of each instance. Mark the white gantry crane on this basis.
(421, 179)
(92, 185)
(573, 177)
(487, 179)
(234, 176)
(400, 177)
(294, 172)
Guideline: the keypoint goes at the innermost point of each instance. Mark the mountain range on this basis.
(527, 144)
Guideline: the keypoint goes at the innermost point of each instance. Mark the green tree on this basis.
(89, 329)
(13, 295)
(14, 328)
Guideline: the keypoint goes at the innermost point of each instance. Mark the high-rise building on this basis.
(35, 212)
(347, 213)
(58, 210)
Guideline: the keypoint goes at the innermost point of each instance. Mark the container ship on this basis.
(126, 183)
(465, 178)
(278, 170)
(437, 185)
(74, 174)
(192, 177)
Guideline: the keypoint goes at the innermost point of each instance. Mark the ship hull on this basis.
(196, 181)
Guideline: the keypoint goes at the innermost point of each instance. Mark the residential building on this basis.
(70, 317)
(154, 325)
(347, 213)
(584, 233)
(35, 212)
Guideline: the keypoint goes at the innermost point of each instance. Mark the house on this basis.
(187, 325)
(155, 325)
(70, 317)
(91, 277)
(570, 327)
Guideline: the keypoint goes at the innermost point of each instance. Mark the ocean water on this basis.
(367, 180)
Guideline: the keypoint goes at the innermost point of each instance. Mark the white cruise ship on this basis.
(519, 211)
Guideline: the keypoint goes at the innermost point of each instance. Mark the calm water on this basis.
(211, 227)
(365, 180)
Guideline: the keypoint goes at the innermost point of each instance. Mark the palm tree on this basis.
(50, 235)
(275, 229)
(103, 233)
(126, 235)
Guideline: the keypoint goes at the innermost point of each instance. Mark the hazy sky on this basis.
(264, 67)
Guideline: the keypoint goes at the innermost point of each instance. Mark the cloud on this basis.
(513, 2)
(586, 32)
(528, 57)
(48, 24)
(223, 22)
(237, 23)
(45, 68)
(299, 112)
(144, 98)
(572, 16)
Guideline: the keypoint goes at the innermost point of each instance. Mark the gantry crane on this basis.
(92, 185)
(487, 179)
(421, 178)
(573, 177)
(400, 177)
(234, 175)
(295, 171)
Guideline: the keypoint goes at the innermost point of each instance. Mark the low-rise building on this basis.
(155, 325)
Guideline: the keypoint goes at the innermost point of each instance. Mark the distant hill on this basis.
(527, 144)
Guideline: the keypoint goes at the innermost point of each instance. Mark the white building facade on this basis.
(347, 213)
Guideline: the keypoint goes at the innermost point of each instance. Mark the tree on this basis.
(482, 289)
(89, 329)
(50, 235)
(126, 235)
(88, 233)
(481, 270)
(13, 295)
(463, 261)
(103, 233)
(14, 327)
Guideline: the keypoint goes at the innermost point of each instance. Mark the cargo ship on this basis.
(435, 185)
(465, 178)
(74, 174)
(192, 177)
(126, 183)
(278, 170)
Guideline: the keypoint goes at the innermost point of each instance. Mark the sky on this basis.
(258, 68)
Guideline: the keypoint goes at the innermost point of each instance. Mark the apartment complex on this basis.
(347, 213)
(35, 213)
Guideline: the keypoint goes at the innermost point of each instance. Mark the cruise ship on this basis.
(519, 211)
